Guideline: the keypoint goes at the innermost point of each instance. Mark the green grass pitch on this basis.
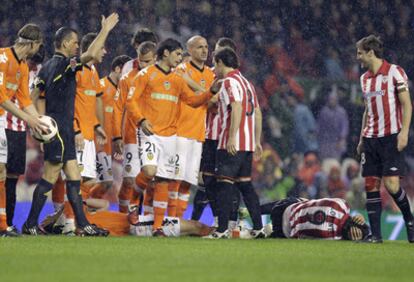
(195, 259)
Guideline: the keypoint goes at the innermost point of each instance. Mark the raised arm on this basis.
(107, 25)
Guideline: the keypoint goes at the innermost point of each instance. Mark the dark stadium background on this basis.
(298, 47)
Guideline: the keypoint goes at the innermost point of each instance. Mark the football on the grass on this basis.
(50, 133)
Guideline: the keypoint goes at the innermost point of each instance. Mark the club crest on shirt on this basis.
(18, 75)
(128, 168)
(167, 85)
(384, 79)
(150, 156)
(203, 83)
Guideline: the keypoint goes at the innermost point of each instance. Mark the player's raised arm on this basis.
(107, 25)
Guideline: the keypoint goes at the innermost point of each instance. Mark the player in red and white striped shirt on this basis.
(384, 132)
(208, 160)
(323, 218)
(239, 137)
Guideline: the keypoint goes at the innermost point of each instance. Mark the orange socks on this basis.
(3, 219)
(183, 197)
(160, 203)
(148, 198)
(142, 180)
(58, 193)
(124, 196)
(173, 187)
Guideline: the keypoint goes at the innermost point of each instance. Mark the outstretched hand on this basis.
(110, 22)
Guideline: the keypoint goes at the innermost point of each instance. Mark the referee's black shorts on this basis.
(62, 148)
(381, 157)
(16, 151)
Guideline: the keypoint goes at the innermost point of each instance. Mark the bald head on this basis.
(198, 49)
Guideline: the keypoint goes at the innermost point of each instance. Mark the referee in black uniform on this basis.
(56, 89)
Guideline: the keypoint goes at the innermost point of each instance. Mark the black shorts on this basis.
(61, 149)
(233, 167)
(277, 215)
(16, 151)
(208, 157)
(381, 157)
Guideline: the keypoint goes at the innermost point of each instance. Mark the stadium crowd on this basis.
(309, 148)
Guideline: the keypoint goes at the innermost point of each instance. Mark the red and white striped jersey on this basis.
(380, 91)
(323, 218)
(212, 124)
(13, 122)
(236, 88)
(130, 65)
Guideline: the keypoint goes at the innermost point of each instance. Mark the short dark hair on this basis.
(62, 34)
(29, 33)
(39, 57)
(228, 56)
(146, 47)
(227, 42)
(372, 42)
(87, 40)
(169, 44)
(142, 35)
(119, 61)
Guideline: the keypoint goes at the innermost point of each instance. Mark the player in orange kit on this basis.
(191, 128)
(125, 130)
(154, 107)
(14, 82)
(104, 152)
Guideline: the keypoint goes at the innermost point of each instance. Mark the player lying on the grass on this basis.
(319, 219)
(121, 224)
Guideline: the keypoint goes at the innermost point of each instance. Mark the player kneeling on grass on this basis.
(318, 219)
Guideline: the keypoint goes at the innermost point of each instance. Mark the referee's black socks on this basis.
(10, 184)
(374, 209)
(75, 200)
(401, 200)
(39, 200)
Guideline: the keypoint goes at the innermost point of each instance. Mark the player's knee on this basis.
(107, 185)
(128, 181)
(372, 184)
(2, 172)
(150, 171)
(392, 184)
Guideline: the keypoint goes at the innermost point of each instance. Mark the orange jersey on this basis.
(116, 222)
(192, 121)
(156, 98)
(14, 78)
(109, 92)
(123, 125)
(87, 89)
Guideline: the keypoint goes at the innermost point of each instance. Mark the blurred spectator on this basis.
(304, 128)
(333, 127)
(307, 173)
